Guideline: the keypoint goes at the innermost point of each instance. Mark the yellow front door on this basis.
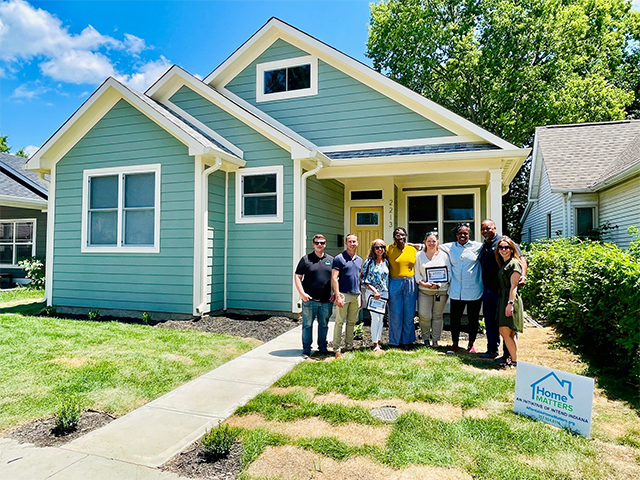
(366, 223)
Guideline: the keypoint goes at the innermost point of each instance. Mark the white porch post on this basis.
(494, 207)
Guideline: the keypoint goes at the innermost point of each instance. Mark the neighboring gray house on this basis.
(583, 176)
(23, 217)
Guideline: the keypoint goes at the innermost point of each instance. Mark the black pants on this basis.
(473, 313)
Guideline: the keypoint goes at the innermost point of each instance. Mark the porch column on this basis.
(494, 207)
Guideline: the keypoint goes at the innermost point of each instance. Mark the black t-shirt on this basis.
(490, 267)
(316, 279)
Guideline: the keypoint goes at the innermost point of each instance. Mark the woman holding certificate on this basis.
(375, 275)
(432, 276)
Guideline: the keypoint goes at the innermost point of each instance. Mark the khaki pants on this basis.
(431, 315)
(349, 313)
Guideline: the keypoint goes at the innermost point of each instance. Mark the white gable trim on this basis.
(20, 202)
(416, 142)
(96, 107)
(276, 29)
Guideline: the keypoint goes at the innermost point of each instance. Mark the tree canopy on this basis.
(5, 148)
(512, 65)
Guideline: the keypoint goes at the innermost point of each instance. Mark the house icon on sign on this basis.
(551, 386)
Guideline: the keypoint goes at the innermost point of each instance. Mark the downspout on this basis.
(226, 239)
(568, 231)
(205, 227)
(303, 204)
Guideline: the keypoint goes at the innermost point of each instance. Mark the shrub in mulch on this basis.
(194, 463)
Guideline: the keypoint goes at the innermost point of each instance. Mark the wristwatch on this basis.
(510, 302)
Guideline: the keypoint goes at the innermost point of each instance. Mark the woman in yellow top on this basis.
(402, 290)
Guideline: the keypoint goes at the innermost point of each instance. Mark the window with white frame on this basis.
(17, 241)
(121, 209)
(259, 195)
(440, 212)
(289, 78)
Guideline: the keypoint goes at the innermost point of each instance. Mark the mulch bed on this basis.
(42, 433)
(192, 464)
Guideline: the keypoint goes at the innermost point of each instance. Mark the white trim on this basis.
(299, 225)
(416, 142)
(226, 240)
(120, 171)
(212, 133)
(33, 241)
(287, 63)
(19, 202)
(48, 264)
(494, 197)
(197, 233)
(279, 171)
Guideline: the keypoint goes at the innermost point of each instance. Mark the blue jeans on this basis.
(403, 294)
(310, 311)
(490, 300)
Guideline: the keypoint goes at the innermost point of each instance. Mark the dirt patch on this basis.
(539, 345)
(179, 358)
(350, 433)
(262, 327)
(296, 463)
(71, 362)
(192, 464)
(621, 460)
(41, 432)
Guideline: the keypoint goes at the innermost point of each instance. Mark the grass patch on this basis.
(110, 366)
(19, 294)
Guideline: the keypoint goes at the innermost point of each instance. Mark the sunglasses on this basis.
(319, 243)
(504, 247)
(379, 247)
(400, 235)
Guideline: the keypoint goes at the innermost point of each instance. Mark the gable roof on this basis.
(101, 101)
(276, 29)
(18, 185)
(582, 157)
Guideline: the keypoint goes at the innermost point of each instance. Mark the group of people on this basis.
(398, 277)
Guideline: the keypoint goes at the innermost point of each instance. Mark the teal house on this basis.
(202, 195)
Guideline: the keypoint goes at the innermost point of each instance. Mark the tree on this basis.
(5, 148)
(512, 65)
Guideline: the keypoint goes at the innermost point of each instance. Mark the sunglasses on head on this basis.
(315, 242)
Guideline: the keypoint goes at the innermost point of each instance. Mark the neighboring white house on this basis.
(583, 176)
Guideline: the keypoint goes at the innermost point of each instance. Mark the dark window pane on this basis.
(24, 232)
(417, 231)
(458, 207)
(139, 227)
(299, 77)
(584, 220)
(255, 206)
(423, 209)
(6, 254)
(259, 183)
(366, 195)
(104, 192)
(367, 218)
(103, 228)
(6, 232)
(139, 190)
(23, 251)
(275, 81)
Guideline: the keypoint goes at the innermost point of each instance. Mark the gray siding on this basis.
(260, 264)
(620, 206)
(14, 213)
(325, 212)
(160, 282)
(215, 249)
(548, 202)
(345, 111)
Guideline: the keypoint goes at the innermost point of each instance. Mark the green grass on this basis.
(19, 294)
(110, 366)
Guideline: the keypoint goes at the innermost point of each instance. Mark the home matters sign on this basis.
(553, 396)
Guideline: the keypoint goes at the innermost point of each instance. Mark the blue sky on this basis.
(54, 54)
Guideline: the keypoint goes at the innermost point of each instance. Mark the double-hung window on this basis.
(121, 209)
(289, 78)
(259, 195)
(17, 241)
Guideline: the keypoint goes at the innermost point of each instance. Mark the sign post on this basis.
(559, 398)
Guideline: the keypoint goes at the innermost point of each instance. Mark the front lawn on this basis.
(113, 367)
(18, 295)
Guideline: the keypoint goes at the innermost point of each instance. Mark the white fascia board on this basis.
(535, 177)
(632, 171)
(19, 202)
(275, 29)
(176, 77)
(103, 99)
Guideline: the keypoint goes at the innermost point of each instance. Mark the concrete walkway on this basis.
(133, 446)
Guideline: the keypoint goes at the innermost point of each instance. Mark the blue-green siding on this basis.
(325, 212)
(259, 260)
(345, 111)
(161, 282)
(215, 247)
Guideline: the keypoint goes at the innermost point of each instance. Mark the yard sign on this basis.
(553, 396)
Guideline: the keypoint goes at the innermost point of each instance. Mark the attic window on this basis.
(290, 78)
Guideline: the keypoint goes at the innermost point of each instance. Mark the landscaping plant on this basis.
(93, 315)
(218, 442)
(68, 416)
(34, 271)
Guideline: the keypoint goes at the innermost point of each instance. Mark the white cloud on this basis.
(146, 75)
(133, 44)
(78, 66)
(635, 4)
(29, 93)
(30, 150)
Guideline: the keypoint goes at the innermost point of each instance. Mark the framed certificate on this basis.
(377, 306)
(437, 274)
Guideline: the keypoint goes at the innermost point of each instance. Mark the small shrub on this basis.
(634, 246)
(218, 442)
(146, 318)
(93, 315)
(68, 416)
(50, 310)
(358, 331)
(34, 270)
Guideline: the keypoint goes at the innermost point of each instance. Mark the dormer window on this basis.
(290, 78)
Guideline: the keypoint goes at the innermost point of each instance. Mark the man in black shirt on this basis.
(313, 281)
(491, 294)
